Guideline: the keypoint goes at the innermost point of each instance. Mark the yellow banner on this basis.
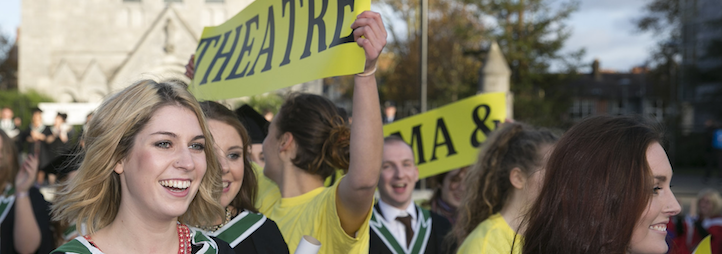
(273, 44)
(449, 137)
(705, 246)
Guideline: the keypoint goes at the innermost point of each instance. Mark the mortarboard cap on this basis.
(255, 123)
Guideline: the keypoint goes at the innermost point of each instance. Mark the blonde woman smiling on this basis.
(149, 170)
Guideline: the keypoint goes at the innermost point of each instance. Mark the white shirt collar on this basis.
(390, 213)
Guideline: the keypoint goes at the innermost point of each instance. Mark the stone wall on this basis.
(83, 50)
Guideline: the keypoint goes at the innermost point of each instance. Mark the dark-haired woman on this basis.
(607, 190)
(246, 230)
(499, 188)
(308, 140)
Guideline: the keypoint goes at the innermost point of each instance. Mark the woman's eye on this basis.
(656, 189)
(197, 146)
(163, 144)
(233, 156)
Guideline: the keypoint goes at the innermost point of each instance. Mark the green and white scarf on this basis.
(239, 228)
(417, 245)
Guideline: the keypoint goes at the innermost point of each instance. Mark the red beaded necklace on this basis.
(184, 239)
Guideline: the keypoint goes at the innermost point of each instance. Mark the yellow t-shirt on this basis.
(493, 235)
(313, 213)
(268, 192)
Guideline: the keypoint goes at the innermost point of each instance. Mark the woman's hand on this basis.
(370, 33)
(191, 67)
(26, 176)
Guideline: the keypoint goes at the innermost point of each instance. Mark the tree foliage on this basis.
(456, 33)
(264, 103)
(22, 103)
(666, 19)
(662, 18)
(531, 34)
(8, 63)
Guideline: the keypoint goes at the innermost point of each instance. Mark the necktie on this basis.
(406, 220)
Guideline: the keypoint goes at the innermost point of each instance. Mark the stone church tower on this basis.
(83, 50)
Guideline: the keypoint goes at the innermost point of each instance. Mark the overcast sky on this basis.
(603, 27)
(606, 30)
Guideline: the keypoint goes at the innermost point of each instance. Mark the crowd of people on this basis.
(159, 172)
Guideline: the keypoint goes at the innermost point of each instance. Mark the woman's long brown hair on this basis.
(322, 134)
(598, 184)
(246, 197)
(9, 164)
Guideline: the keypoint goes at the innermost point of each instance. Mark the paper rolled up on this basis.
(308, 245)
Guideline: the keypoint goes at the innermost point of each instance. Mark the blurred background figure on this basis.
(448, 190)
(57, 144)
(694, 228)
(24, 213)
(35, 137)
(713, 146)
(389, 112)
(7, 124)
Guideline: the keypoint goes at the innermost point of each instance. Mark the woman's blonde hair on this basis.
(714, 198)
(93, 196)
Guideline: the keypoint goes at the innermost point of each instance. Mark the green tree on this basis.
(531, 33)
(456, 32)
(662, 18)
(264, 103)
(22, 103)
(8, 63)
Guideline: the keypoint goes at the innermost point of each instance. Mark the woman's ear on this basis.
(287, 142)
(517, 178)
(118, 167)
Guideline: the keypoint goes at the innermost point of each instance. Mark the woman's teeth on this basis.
(226, 184)
(176, 185)
(659, 227)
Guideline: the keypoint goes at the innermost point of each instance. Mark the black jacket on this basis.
(439, 227)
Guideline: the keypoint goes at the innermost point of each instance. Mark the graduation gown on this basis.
(252, 233)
